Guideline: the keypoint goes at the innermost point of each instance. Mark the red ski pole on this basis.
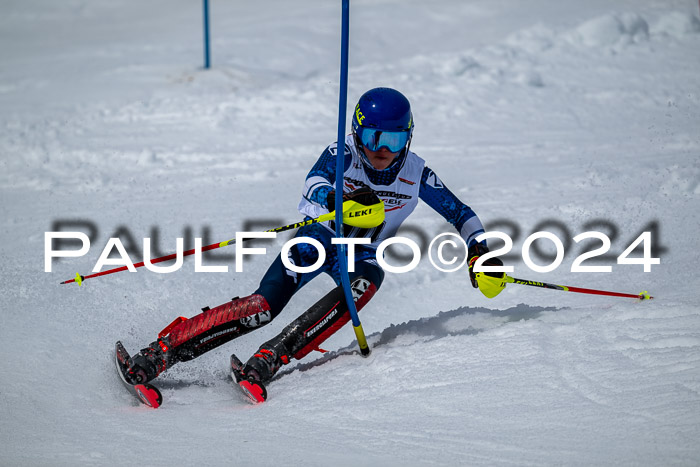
(355, 214)
(641, 296)
(79, 278)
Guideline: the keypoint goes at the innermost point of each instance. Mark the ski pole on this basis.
(354, 214)
(566, 288)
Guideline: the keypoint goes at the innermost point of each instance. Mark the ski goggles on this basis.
(374, 139)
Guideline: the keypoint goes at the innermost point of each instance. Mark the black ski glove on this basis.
(364, 196)
(474, 252)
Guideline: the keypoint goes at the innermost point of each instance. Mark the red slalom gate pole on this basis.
(566, 288)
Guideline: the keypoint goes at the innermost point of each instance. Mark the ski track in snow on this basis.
(528, 112)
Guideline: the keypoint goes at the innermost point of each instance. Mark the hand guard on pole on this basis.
(361, 208)
(489, 283)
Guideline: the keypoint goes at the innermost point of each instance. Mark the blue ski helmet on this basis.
(383, 118)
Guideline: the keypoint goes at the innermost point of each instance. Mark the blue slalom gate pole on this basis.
(340, 151)
(206, 34)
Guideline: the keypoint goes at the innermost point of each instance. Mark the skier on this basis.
(378, 165)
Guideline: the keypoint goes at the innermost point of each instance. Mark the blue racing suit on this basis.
(400, 186)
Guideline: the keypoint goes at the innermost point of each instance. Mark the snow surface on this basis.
(529, 111)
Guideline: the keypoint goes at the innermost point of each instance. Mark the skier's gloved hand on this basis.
(489, 283)
(364, 196)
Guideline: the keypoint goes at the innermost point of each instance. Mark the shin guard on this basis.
(190, 338)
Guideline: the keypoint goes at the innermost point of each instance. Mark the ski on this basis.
(251, 388)
(147, 394)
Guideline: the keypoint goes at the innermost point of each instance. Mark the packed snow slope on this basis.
(560, 116)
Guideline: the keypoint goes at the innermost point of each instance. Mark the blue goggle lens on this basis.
(374, 140)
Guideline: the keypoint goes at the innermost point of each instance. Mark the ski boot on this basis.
(254, 389)
(149, 362)
(146, 393)
(258, 370)
(266, 361)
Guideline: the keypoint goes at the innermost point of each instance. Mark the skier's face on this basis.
(380, 159)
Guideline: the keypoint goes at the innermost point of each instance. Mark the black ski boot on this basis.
(251, 387)
(146, 393)
(149, 362)
(263, 365)
(258, 370)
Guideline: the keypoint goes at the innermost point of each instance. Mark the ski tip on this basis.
(236, 364)
(121, 355)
